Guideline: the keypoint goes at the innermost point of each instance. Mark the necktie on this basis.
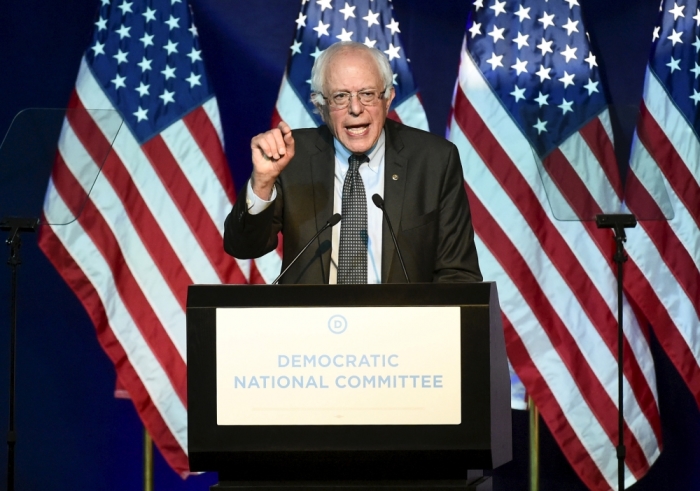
(352, 254)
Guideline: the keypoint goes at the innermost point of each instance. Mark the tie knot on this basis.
(356, 160)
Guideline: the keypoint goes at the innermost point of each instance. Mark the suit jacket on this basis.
(424, 197)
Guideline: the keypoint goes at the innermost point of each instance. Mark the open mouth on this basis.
(357, 130)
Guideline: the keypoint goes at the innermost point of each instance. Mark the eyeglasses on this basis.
(341, 100)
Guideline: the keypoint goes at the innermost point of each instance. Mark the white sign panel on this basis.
(338, 366)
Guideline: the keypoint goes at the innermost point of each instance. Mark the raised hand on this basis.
(271, 151)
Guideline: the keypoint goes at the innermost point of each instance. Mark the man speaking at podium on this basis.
(358, 165)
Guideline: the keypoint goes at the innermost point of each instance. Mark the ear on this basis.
(392, 94)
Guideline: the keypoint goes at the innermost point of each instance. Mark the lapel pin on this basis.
(395, 177)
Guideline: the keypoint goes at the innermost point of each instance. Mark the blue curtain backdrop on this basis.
(72, 433)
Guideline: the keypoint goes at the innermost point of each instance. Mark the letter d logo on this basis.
(337, 324)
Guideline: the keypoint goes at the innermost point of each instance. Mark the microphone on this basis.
(330, 223)
(379, 203)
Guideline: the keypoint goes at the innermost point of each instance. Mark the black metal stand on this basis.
(15, 226)
(619, 222)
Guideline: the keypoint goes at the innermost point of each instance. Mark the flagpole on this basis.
(534, 445)
(147, 461)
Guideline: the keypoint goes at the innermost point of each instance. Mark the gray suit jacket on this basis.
(424, 197)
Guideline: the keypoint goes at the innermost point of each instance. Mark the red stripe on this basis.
(589, 386)
(79, 283)
(551, 411)
(192, 210)
(672, 251)
(598, 141)
(554, 245)
(680, 178)
(571, 186)
(143, 221)
(208, 141)
(394, 116)
(276, 118)
(127, 287)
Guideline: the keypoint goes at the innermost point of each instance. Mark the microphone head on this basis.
(378, 201)
(332, 221)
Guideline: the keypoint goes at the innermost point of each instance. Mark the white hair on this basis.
(318, 71)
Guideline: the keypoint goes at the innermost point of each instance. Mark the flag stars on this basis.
(498, 8)
(101, 24)
(173, 22)
(495, 61)
(296, 48)
(347, 11)
(521, 40)
(545, 47)
(565, 106)
(657, 33)
(167, 96)
(316, 52)
(123, 32)
(171, 47)
(369, 43)
(147, 39)
(168, 72)
(543, 73)
(518, 93)
(125, 7)
(696, 70)
(120, 57)
(193, 31)
(523, 13)
(591, 86)
(98, 49)
(567, 79)
(149, 14)
(540, 126)
(475, 29)
(590, 59)
(301, 21)
(143, 89)
(497, 33)
(569, 53)
(697, 17)
(345, 35)
(572, 3)
(393, 51)
(478, 4)
(520, 66)
(141, 114)
(322, 29)
(195, 55)
(546, 20)
(696, 44)
(674, 64)
(371, 18)
(677, 11)
(145, 64)
(675, 37)
(118, 82)
(325, 4)
(393, 26)
(194, 79)
(695, 97)
(570, 26)
(541, 99)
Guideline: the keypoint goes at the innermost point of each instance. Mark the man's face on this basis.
(357, 126)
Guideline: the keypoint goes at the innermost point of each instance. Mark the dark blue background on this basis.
(72, 433)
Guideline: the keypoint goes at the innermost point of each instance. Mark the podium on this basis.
(345, 447)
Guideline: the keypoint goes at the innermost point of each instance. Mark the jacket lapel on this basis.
(322, 167)
(395, 174)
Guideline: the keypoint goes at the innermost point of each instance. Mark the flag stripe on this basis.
(598, 136)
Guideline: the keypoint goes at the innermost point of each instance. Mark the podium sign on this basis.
(346, 382)
(338, 366)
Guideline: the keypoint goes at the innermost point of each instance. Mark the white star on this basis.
(195, 55)
(193, 30)
(194, 80)
(674, 64)
(144, 64)
(570, 26)
(565, 106)
(167, 97)
(393, 51)
(140, 114)
(105, 2)
(677, 11)
(345, 35)
(142, 89)
(149, 14)
(347, 11)
(697, 17)
(569, 53)
(546, 20)
(171, 47)
(543, 73)
(168, 72)
(393, 26)
(499, 8)
(478, 4)
(696, 44)
(590, 59)
(301, 21)
(518, 93)
(120, 56)
(173, 22)
(542, 99)
(545, 46)
(656, 34)
(101, 24)
(520, 66)
(126, 7)
(495, 61)
(393, 79)
(475, 29)
(696, 70)
(173, 2)
(316, 52)
(540, 126)
(675, 37)
(296, 48)
(325, 4)
(123, 32)
(695, 96)
(521, 40)
(572, 3)
(118, 81)
(99, 48)
(567, 79)
(523, 13)
(369, 43)
(147, 39)
(497, 33)
(591, 86)
(371, 18)
(321, 28)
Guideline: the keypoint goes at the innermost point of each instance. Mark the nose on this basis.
(355, 107)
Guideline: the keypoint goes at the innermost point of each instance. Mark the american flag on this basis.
(319, 24)
(532, 126)
(663, 191)
(149, 222)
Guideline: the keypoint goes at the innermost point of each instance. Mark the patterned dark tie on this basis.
(352, 255)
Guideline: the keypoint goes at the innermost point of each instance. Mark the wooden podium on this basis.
(355, 456)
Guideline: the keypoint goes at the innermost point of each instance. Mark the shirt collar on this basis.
(343, 154)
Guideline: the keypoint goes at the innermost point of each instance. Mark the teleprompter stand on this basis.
(354, 457)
